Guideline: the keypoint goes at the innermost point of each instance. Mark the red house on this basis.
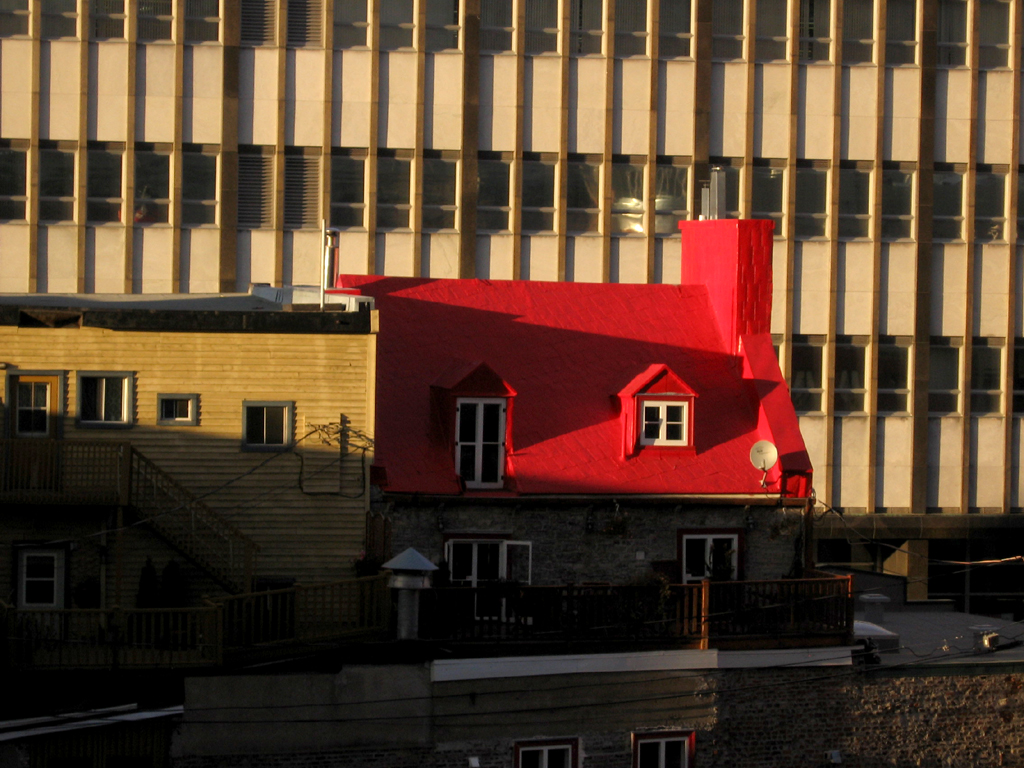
(572, 433)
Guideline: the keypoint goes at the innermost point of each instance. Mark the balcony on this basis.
(812, 612)
(229, 630)
(64, 472)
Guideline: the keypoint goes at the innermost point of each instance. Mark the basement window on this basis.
(563, 753)
(664, 749)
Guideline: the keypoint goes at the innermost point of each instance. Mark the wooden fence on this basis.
(699, 613)
(107, 638)
(307, 613)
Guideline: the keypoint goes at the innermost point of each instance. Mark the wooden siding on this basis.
(312, 533)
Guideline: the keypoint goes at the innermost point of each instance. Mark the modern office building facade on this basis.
(196, 146)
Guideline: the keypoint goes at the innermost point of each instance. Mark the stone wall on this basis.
(604, 541)
(753, 718)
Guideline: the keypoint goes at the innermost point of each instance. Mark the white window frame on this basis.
(545, 748)
(708, 540)
(479, 442)
(127, 399)
(58, 556)
(662, 739)
(662, 405)
(288, 429)
(503, 545)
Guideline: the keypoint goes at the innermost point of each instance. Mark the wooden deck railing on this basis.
(307, 613)
(511, 612)
(697, 613)
(64, 471)
(89, 638)
(190, 637)
(199, 533)
(787, 607)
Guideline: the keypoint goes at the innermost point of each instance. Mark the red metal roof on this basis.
(567, 350)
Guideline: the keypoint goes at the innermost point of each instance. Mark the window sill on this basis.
(249, 448)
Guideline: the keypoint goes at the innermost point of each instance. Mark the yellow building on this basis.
(196, 145)
(220, 432)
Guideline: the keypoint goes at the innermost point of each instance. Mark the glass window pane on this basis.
(493, 176)
(467, 422)
(897, 193)
(944, 365)
(104, 176)
(57, 173)
(948, 199)
(492, 419)
(582, 185)
(254, 420)
(986, 367)
(274, 425)
(89, 398)
(199, 176)
(538, 184)
(393, 180)
(767, 193)
(439, 182)
(892, 366)
(988, 194)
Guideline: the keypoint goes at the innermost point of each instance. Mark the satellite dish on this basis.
(763, 455)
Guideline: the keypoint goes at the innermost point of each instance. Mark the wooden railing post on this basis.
(705, 613)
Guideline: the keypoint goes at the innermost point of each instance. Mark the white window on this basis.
(480, 441)
(710, 556)
(546, 755)
(662, 750)
(475, 562)
(181, 410)
(665, 422)
(34, 401)
(41, 578)
(104, 399)
(267, 425)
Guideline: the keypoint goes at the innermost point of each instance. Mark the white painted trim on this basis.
(645, 661)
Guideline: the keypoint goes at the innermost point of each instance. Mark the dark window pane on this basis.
(90, 399)
(275, 425)
(57, 173)
(439, 182)
(467, 422)
(393, 180)
(493, 182)
(490, 472)
(104, 174)
(199, 176)
(538, 184)
(944, 373)
(492, 417)
(892, 366)
(467, 461)
(254, 420)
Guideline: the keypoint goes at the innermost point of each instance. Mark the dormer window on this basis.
(480, 441)
(656, 410)
(664, 422)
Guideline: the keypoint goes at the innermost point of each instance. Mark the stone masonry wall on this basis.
(758, 719)
(604, 541)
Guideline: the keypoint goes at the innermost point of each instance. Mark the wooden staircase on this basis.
(187, 524)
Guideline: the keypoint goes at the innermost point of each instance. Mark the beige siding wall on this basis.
(310, 536)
